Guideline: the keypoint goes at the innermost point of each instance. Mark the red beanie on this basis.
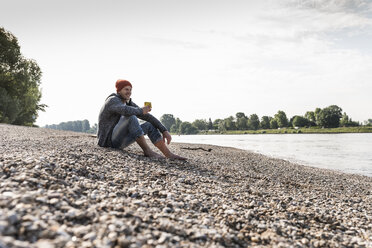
(121, 83)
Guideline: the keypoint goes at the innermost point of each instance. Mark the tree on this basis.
(353, 123)
(310, 116)
(253, 122)
(241, 121)
(187, 128)
(9, 107)
(317, 116)
(348, 122)
(20, 79)
(281, 119)
(210, 124)
(175, 128)
(168, 120)
(216, 123)
(265, 122)
(221, 126)
(85, 126)
(330, 116)
(273, 123)
(93, 129)
(76, 126)
(240, 115)
(344, 120)
(229, 123)
(200, 124)
(299, 121)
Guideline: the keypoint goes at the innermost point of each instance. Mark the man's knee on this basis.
(148, 126)
(132, 118)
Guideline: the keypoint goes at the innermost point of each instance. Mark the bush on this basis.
(300, 121)
(187, 128)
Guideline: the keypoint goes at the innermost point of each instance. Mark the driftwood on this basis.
(197, 148)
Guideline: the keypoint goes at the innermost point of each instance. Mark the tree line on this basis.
(76, 126)
(329, 117)
(20, 79)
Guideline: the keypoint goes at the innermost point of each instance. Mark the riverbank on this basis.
(312, 130)
(346, 152)
(60, 189)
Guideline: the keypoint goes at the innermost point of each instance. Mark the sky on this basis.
(198, 59)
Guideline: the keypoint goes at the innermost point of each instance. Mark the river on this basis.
(350, 153)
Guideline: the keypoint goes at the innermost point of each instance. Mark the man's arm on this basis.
(167, 137)
(115, 105)
(150, 118)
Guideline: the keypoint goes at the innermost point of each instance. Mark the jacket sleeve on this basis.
(116, 106)
(150, 118)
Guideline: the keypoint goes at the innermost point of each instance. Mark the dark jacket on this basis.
(110, 115)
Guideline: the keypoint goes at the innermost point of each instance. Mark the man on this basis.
(118, 126)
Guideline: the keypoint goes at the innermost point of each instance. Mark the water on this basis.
(350, 153)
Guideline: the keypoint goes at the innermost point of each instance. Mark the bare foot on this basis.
(152, 154)
(174, 156)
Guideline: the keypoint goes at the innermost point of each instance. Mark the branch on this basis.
(197, 148)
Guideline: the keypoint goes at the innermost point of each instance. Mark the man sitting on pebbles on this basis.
(118, 126)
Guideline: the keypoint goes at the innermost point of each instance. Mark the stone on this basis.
(13, 218)
(230, 211)
(44, 244)
(124, 243)
(54, 201)
(164, 237)
(90, 236)
(167, 210)
(3, 226)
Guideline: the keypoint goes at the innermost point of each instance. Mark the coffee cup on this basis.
(148, 104)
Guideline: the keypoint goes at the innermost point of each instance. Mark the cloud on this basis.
(293, 22)
(301, 29)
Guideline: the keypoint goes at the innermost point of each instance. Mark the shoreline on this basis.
(320, 151)
(274, 157)
(60, 188)
(366, 129)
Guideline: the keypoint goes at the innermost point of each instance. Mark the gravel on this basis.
(59, 189)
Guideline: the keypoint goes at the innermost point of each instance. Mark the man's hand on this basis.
(167, 136)
(146, 109)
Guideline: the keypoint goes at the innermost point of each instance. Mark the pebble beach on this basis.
(59, 189)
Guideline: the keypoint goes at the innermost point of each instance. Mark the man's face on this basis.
(126, 92)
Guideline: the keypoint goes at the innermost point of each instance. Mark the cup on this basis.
(148, 104)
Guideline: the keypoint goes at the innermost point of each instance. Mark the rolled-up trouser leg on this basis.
(126, 131)
(153, 133)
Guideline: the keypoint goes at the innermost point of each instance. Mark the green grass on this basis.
(361, 129)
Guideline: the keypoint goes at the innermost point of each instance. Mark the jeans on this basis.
(128, 129)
